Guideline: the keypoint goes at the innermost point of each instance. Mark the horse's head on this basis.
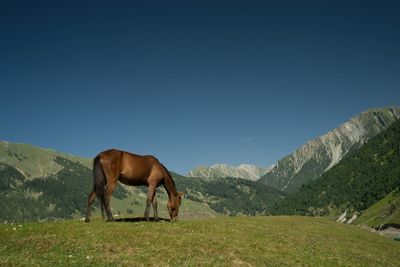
(173, 205)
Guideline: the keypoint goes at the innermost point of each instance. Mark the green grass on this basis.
(385, 211)
(224, 241)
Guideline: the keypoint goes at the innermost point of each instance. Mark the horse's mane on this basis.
(174, 191)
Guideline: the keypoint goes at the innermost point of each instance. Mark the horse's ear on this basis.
(181, 194)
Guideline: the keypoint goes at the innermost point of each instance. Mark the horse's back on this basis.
(134, 169)
(110, 153)
(123, 157)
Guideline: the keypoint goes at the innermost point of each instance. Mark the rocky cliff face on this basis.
(319, 155)
(244, 171)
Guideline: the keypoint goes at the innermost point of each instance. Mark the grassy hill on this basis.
(224, 241)
(385, 212)
(34, 161)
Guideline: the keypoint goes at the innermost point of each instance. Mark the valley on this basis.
(360, 184)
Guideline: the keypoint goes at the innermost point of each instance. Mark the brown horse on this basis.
(112, 165)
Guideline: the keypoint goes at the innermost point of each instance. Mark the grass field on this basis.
(223, 241)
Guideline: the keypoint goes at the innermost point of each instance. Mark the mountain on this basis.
(245, 171)
(357, 182)
(39, 184)
(319, 155)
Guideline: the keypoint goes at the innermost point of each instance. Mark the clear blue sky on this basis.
(192, 82)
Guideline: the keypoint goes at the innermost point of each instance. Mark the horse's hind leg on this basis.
(91, 199)
(155, 208)
(112, 181)
(108, 194)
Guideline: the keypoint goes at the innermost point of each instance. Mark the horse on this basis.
(111, 166)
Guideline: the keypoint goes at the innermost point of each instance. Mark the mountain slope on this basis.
(58, 195)
(311, 160)
(245, 171)
(34, 161)
(385, 212)
(229, 195)
(361, 179)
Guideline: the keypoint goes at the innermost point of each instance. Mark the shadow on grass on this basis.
(140, 219)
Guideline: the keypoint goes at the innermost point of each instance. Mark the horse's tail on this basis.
(99, 182)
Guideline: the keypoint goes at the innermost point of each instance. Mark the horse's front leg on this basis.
(150, 197)
(155, 208)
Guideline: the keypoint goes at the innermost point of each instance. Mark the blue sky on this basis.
(193, 82)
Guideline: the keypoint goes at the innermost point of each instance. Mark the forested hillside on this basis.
(360, 180)
(230, 196)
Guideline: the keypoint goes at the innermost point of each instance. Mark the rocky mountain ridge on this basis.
(244, 171)
(365, 182)
(317, 156)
